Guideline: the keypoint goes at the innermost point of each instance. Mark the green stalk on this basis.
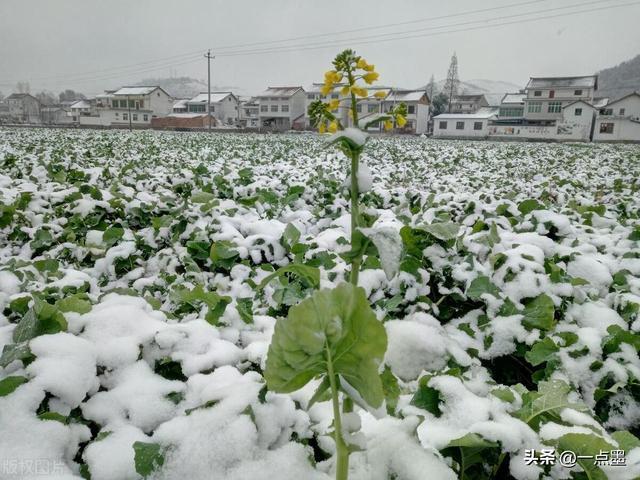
(342, 451)
(355, 162)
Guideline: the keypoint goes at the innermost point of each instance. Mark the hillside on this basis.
(184, 87)
(620, 80)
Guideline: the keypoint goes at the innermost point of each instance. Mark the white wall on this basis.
(452, 131)
(623, 130)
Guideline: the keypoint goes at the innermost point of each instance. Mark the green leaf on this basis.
(529, 205)
(41, 319)
(148, 457)
(588, 445)
(197, 296)
(390, 388)
(245, 309)
(111, 236)
(223, 254)
(548, 401)
(481, 285)
(469, 452)
(48, 265)
(13, 352)
(290, 236)
(202, 197)
(541, 351)
(322, 392)
(539, 313)
(75, 303)
(626, 440)
(426, 397)
(505, 394)
(444, 231)
(310, 274)
(9, 384)
(333, 329)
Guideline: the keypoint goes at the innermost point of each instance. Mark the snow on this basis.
(65, 366)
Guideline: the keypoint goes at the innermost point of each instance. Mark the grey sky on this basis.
(78, 43)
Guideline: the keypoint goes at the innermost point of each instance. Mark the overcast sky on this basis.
(92, 45)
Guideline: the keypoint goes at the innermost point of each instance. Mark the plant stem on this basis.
(355, 162)
(342, 451)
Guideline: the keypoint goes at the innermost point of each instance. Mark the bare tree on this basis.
(46, 98)
(431, 87)
(452, 83)
(70, 95)
(23, 87)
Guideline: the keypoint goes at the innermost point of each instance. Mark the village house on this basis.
(282, 108)
(249, 110)
(55, 115)
(312, 93)
(224, 106)
(619, 121)
(417, 103)
(180, 106)
(22, 108)
(468, 103)
(464, 125)
(78, 109)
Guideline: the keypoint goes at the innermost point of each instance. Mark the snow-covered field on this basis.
(134, 320)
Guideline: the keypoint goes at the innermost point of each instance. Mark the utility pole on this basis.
(208, 56)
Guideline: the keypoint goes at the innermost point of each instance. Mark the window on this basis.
(411, 109)
(132, 104)
(537, 93)
(125, 116)
(534, 107)
(372, 108)
(264, 108)
(577, 93)
(285, 108)
(117, 115)
(442, 125)
(335, 95)
(311, 96)
(145, 117)
(477, 125)
(197, 108)
(141, 103)
(607, 111)
(554, 107)
(622, 110)
(606, 128)
(134, 117)
(511, 111)
(359, 108)
(552, 94)
(459, 125)
(274, 108)
(213, 108)
(578, 112)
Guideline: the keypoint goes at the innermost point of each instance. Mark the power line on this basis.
(403, 35)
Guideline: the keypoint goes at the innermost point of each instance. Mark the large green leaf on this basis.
(332, 328)
(587, 445)
(41, 319)
(546, 403)
(481, 285)
(541, 351)
(148, 457)
(470, 452)
(9, 384)
(444, 231)
(539, 313)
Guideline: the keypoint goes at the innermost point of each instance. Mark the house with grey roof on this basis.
(282, 108)
(619, 120)
(468, 103)
(22, 108)
(417, 103)
(545, 97)
(224, 106)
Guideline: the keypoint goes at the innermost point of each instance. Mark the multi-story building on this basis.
(545, 97)
(619, 121)
(22, 108)
(249, 113)
(224, 106)
(282, 108)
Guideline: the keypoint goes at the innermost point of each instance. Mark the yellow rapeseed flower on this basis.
(388, 124)
(362, 63)
(370, 77)
(345, 90)
(401, 121)
(369, 68)
(334, 104)
(333, 127)
(380, 94)
(359, 91)
(322, 127)
(326, 89)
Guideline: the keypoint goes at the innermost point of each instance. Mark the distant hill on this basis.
(185, 87)
(615, 82)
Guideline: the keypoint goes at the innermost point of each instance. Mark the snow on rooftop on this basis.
(279, 92)
(483, 113)
(517, 98)
(406, 95)
(588, 81)
(216, 97)
(135, 90)
(81, 104)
